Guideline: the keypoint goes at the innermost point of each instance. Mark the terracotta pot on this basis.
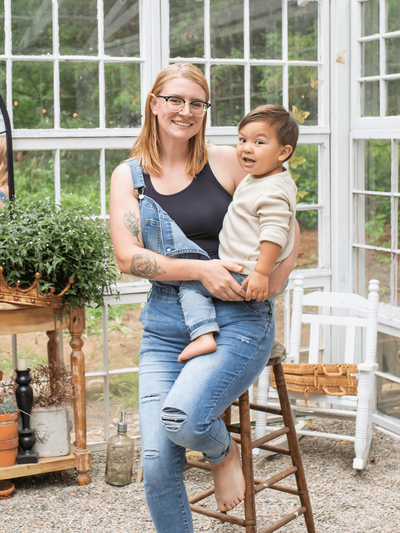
(8, 439)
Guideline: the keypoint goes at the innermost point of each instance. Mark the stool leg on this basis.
(293, 445)
(247, 463)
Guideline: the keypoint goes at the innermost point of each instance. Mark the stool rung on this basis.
(283, 488)
(268, 447)
(233, 429)
(285, 520)
(202, 496)
(258, 407)
(203, 466)
(221, 516)
(274, 479)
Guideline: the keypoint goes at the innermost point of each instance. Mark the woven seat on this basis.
(242, 435)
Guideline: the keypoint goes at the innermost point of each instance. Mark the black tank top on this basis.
(199, 209)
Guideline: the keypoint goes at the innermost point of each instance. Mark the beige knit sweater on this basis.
(262, 209)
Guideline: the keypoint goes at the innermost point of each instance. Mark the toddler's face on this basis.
(259, 151)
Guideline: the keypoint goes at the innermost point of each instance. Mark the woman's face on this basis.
(182, 125)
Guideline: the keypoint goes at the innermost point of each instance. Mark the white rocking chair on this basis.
(355, 314)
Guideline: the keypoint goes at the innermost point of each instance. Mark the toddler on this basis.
(258, 229)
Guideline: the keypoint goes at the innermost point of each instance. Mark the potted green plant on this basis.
(58, 243)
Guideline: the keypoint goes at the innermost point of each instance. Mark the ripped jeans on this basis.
(181, 404)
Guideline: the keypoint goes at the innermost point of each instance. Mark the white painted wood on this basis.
(329, 303)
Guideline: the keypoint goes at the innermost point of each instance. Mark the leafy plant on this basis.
(59, 243)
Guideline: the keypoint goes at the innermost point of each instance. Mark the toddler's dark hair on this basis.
(284, 122)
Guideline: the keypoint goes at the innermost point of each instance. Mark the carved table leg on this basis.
(83, 456)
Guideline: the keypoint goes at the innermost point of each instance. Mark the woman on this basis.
(181, 404)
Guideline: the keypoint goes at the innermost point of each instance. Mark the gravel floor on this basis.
(343, 500)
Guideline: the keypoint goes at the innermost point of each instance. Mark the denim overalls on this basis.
(181, 404)
(3, 197)
(163, 236)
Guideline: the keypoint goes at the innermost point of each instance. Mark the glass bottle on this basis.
(120, 450)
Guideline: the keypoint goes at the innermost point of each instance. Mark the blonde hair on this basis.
(147, 145)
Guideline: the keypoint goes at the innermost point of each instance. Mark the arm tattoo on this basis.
(132, 224)
(145, 266)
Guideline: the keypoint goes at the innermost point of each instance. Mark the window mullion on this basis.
(100, 34)
(394, 220)
(382, 57)
(207, 50)
(56, 66)
(57, 177)
(7, 50)
(102, 163)
(285, 46)
(246, 49)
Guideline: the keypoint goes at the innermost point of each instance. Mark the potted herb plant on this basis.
(59, 243)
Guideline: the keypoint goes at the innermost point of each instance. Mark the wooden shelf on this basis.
(45, 464)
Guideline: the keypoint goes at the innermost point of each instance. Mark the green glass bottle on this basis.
(120, 450)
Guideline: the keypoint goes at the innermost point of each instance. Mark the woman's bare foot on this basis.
(200, 346)
(229, 481)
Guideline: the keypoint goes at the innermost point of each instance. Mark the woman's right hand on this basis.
(217, 279)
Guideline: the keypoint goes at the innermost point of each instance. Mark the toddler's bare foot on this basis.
(229, 481)
(200, 346)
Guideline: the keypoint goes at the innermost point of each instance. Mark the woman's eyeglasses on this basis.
(176, 104)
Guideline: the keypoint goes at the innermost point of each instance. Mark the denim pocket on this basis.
(259, 308)
(152, 236)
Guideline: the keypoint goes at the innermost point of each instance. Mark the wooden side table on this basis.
(24, 319)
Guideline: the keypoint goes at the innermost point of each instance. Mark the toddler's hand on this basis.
(257, 287)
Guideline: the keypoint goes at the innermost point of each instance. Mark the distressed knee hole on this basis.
(150, 398)
(173, 419)
(151, 454)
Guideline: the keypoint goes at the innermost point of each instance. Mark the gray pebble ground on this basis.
(343, 501)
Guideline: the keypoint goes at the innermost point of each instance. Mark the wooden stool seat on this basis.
(242, 435)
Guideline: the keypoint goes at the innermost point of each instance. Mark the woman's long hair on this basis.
(147, 145)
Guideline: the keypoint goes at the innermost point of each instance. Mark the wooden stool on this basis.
(255, 485)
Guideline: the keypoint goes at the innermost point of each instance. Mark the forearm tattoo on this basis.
(145, 266)
(132, 224)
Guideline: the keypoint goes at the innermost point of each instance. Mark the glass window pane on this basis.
(377, 266)
(121, 28)
(369, 17)
(186, 28)
(377, 221)
(122, 95)
(79, 95)
(3, 73)
(370, 58)
(226, 32)
(303, 31)
(392, 56)
(265, 86)
(113, 159)
(78, 27)
(227, 95)
(80, 178)
(266, 29)
(303, 166)
(34, 175)
(308, 249)
(302, 95)
(370, 99)
(388, 391)
(393, 15)
(95, 419)
(377, 165)
(393, 97)
(33, 94)
(32, 27)
(2, 34)
(124, 336)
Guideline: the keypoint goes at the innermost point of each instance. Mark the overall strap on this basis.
(137, 175)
